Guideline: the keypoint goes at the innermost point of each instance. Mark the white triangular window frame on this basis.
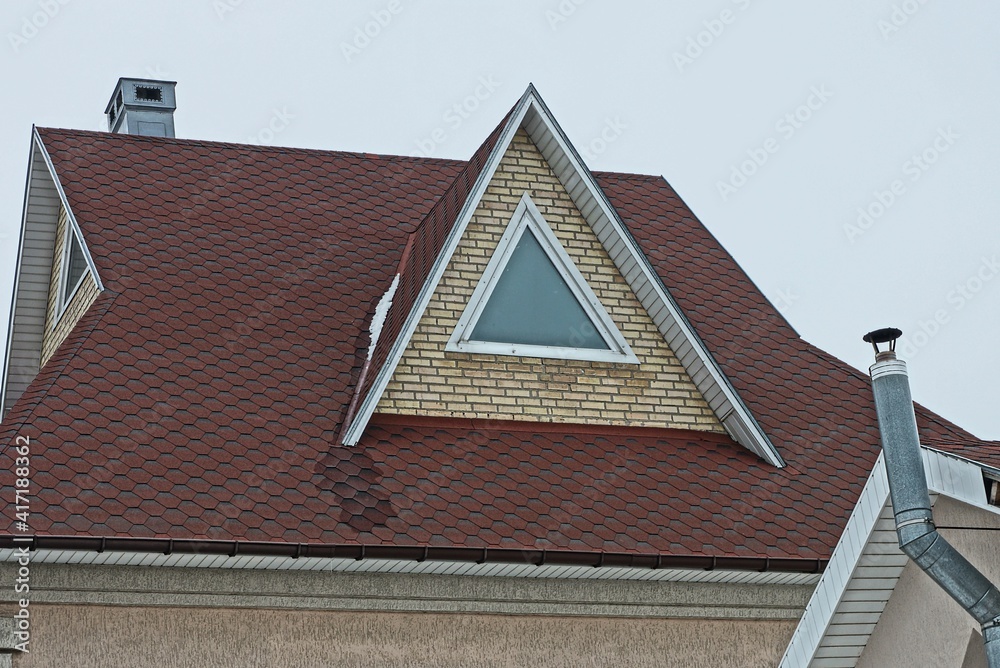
(527, 219)
(67, 286)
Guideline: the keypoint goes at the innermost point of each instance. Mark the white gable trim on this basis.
(43, 196)
(867, 563)
(64, 296)
(532, 114)
(528, 219)
(71, 218)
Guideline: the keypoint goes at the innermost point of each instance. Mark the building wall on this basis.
(56, 331)
(922, 626)
(101, 615)
(95, 636)
(431, 381)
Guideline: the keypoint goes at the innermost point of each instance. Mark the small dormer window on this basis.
(532, 304)
(74, 268)
(533, 301)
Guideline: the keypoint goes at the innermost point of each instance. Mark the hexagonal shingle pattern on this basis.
(202, 395)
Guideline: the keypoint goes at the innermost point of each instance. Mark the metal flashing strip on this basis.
(724, 574)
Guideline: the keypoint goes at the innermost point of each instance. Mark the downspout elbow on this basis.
(952, 572)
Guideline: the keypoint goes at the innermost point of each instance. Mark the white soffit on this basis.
(532, 114)
(546, 571)
(867, 563)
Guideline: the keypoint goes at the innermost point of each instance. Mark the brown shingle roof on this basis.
(202, 395)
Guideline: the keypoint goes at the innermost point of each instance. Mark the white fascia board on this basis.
(733, 413)
(746, 430)
(949, 475)
(70, 217)
(823, 603)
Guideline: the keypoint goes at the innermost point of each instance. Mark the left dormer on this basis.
(55, 280)
(72, 286)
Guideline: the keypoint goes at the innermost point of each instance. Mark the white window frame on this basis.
(528, 219)
(62, 304)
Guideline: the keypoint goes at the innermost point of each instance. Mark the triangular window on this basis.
(75, 267)
(532, 301)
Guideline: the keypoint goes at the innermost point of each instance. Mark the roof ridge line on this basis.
(209, 143)
(922, 411)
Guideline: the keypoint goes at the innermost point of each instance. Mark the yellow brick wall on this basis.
(432, 381)
(58, 327)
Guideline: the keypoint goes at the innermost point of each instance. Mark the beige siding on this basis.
(432, 381)
(34, 274)
(921, 625)
(58, 326)
(95, 636)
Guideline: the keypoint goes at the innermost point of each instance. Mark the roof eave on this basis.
(414, 553)
(947, 474)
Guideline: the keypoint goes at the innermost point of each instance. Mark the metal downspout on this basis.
(918, 537)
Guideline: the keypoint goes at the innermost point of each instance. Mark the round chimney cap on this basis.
(883, 335)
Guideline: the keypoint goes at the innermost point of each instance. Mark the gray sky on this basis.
(844, 153)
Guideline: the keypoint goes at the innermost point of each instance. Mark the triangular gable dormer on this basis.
(56, 279)
(532, 301)
(531, 120)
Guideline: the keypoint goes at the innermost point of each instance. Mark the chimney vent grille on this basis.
(149, 93)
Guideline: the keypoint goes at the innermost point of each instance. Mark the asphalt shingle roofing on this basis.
(203, 394)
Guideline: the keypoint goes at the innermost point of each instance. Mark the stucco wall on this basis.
(922, 626)
(431, 381)
(108, 615)
(93, 637)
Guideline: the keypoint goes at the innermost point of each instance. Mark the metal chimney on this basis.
(142, 107)
(911, 504)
